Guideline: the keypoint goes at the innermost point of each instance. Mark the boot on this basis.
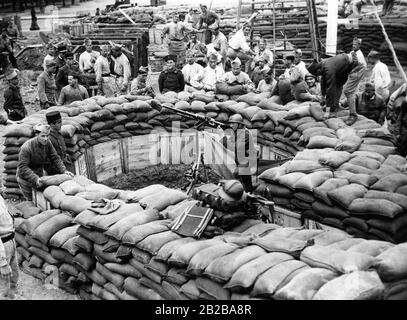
(353, 117)
(10, 293)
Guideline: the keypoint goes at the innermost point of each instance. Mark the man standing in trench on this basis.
(242, 143)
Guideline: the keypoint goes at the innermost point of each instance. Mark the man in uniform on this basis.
(334, 73)
(73, 91)
(46, 86)
(207, 19)
(35, 155)
(87, 61)
(176, 33)
(220, 42)
(106, 84)
(51, 55)
(242, 143)
(140, 86)
(171, 79)
(122, 70)
(13, 102)
(355, 76)
(54, 120)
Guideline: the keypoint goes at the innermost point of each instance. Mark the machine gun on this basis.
(201, 120)
(193, 174)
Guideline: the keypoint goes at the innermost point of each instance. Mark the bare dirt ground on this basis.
(171, 176)
(30, 288)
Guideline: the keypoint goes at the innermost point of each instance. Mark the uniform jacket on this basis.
(34, 156)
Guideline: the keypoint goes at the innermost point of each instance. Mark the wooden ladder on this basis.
(290, 24)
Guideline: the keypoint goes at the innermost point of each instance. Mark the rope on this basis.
(389, 43)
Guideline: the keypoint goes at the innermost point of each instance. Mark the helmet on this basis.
(232, 190)
(236, 118)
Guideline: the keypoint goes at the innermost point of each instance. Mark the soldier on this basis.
(171, 79)
(13, 102)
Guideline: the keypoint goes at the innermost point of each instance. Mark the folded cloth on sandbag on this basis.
(105, 206)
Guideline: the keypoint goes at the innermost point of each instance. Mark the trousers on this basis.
(351, 88)
(11, 255)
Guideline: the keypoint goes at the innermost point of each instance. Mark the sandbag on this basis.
(222, 268)
(157, 267)
(336, 260)
(330, 237)
(54, 195)
(145, 272)
(246, 275)
(33, 222)
(119, 229)
(399, 199)
(355, 168)
(318, 142)
(153, 243)
(125, 270)
(383, 150)
(313, 180)
(114, 278)
(305, 284)
(334, 159)
(390, 183)
(167, 249)
(346, 194)
(321, 192)
(391, 265)
(62, 236)
(377, 207)
(204, 257)
(94, 236)
(140, 255)
(276, 277)
(365, 180)
(304, 166)
(71, 187)
(162, 200)
(213, 289)
(358, 285)
(394, 160)
(134, 288)
(74, 204)
(347, 243)
(47, 229)
(371, 247)
(183, 254)
(140, 232)
(365, 162)
(55, 180)
(104, 222)
(290, 179)
(271, 174)
(105, 192)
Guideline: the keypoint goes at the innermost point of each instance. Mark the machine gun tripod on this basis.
(193, 174)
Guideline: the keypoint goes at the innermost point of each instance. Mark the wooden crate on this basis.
(286, 218)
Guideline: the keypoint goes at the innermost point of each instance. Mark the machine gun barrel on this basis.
(205, 120)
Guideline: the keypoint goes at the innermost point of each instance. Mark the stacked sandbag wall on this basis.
(131, 253)
(99, 119)
(362, 156)
(347, 177)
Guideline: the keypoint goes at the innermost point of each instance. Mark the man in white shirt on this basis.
(206, 79)
(106, 84)
(300, 64)
(122, 69)
(380, 77)
(219, 41)
(190, 70)
(352, 85)
(88, 58)
(51, 55)
(240, 48)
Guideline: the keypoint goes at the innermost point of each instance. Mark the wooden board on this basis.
(80, 166)
(142, 151)
(107, 160)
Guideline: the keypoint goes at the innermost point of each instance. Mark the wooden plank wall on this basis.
(108, 159)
